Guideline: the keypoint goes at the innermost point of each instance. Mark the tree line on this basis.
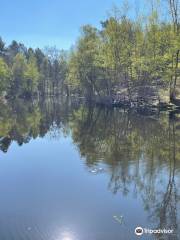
(128, 59)
(25, 72)
(134, 58)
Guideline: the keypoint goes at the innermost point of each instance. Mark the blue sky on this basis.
(38, 23)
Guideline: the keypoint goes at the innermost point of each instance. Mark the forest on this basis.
(129, 60)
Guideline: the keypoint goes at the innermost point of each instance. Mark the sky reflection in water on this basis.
(78, 170)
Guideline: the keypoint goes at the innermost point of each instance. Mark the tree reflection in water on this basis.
(138, 152)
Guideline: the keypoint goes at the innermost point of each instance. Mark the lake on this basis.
(70, 172)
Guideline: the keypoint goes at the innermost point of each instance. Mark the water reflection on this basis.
(66, 235)
(139, 154)
(22, 121)
(142, 156)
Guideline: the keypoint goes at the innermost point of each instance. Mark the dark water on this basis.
(76, 173)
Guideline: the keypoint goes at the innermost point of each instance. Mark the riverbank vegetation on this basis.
(25, 72)
(129, 60)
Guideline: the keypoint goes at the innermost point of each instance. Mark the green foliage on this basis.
(31, 75)
(124, 56)
(4, 76)
(34, 72)
(85, 60)
(19, 68)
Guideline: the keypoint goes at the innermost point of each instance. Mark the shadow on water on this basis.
(140, 155)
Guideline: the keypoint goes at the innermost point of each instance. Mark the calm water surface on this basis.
(76, 173)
